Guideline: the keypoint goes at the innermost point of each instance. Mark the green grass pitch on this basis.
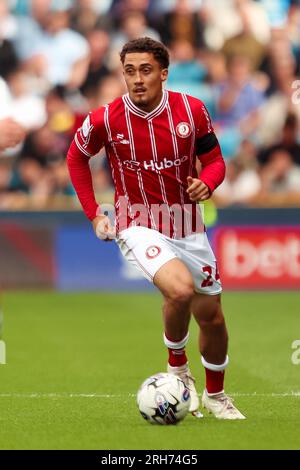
(75, 362)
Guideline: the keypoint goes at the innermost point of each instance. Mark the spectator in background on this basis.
(61, 185)
(245, 43)
(90, 14)
(120, 7)
(23, 98)
(277, 12)
(239, 187)
(293, 31)
(133, 24)
(8, 28)
(31, 22)
(8, 22)
(8, 57)
(181, 23)
(60, 55)
(63, 118)
(43, 146)
(109, 88)
(280, 174)
(11, 133)
(99, 43)
(225, 19)
(19, 101)
(239, 100)
(39, 171)
(242, 182)
(287, 143)
(215, 64)
(280, 67)
(46, 67)
(30, 176)
(186, 73)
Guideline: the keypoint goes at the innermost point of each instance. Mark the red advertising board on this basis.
(258, 257)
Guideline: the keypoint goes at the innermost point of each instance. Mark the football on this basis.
(163, 399)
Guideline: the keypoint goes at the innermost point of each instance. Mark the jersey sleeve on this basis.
(87, 142)
(90, 137)
(208, 151)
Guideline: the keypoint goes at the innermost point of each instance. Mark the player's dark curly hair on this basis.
(159, 50)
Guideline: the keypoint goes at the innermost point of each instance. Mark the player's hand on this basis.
(11, 133)
(103, 228)
(197, 190)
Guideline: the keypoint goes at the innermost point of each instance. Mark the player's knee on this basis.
(213, 316)
(182, 293)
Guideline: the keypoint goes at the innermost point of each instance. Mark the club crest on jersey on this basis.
(152, 251)
(183, 129)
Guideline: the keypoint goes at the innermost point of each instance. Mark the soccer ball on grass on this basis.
(163, 399)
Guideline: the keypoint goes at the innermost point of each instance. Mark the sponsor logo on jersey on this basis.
(183, 129)
(131, 164)
(165, 163)
(152, 251)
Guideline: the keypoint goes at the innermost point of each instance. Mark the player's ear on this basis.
(164, 75)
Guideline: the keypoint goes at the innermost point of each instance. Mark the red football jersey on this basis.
(150, 156)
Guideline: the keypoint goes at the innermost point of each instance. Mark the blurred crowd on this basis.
(60, 58)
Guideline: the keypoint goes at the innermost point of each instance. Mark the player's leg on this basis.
(213, 343)
(149, 252)
(197, 255)
(175, 282)
(213, 338)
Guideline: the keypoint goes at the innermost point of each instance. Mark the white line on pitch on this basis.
(295, 394)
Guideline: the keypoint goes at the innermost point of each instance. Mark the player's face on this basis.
(144, 77)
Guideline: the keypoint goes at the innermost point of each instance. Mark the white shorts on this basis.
(148, 250)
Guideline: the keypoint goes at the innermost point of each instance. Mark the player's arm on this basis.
(88, 141)
(213, 167)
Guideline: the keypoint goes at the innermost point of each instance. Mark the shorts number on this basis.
(209, 279)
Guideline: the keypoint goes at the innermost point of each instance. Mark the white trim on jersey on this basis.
(160, 177)
(107, 126)
(175, 148)
(139, 174)
(139, 112)
(192, 123)
(80, 147)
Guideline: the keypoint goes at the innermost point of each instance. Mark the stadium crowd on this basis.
(60, 58)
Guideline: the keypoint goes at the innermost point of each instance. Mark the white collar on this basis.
(144, 114)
